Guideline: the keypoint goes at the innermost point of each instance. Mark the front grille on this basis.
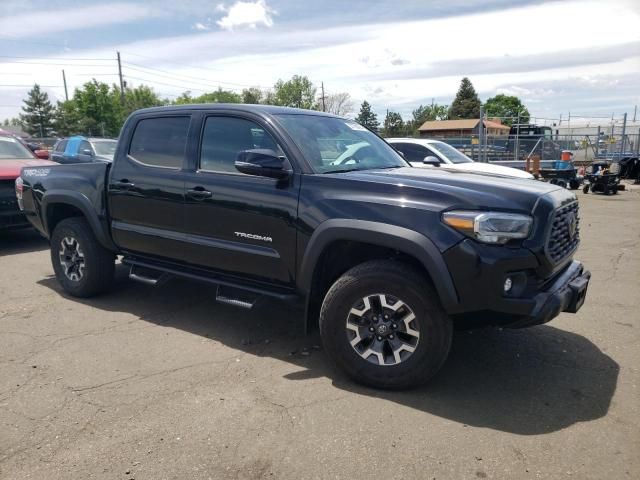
(564, 236)
(8, 200)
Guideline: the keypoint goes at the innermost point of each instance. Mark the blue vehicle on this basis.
(79, 149)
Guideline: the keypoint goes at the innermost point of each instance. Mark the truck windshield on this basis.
(333, 145)
(105, 148)
(10, 148)
(450, 153)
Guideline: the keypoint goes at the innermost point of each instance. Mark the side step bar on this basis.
(230, 295)
(235, 297)
(147, 276)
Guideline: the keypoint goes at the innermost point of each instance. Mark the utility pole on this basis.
(324, 107)
(624, 132)
(66, 92)
(121, 81)
(481, 135)
(635, 110)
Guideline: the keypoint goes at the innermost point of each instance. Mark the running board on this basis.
(147, 276)
(235, 297)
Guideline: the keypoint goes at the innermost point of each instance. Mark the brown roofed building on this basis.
(461, 128)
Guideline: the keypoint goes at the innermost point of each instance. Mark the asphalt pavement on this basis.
(164, 383)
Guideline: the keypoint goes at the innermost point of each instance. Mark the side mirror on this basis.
(42, 154)
(431, 160)
(262, 162)
(87, 151)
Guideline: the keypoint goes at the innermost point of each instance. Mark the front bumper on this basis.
(567, 293)
(538, 295)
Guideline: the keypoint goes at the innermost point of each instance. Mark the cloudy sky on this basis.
(581, 57)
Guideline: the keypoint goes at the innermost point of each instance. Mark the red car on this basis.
(13, 156)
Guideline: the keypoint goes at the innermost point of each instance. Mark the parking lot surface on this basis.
(155, 383)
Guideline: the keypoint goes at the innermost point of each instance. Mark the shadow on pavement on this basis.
(529, 382)
(21, 241)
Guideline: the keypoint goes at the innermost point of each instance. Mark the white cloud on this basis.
(199, 26)
(246, 14)
(39, 24)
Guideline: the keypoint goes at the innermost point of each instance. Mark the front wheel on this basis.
(382, 323)
(82, 266)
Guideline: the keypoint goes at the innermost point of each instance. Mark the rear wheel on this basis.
(382, 323)
(585, 189)
(82, 266)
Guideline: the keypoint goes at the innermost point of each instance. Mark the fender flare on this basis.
(82, 203)
(402, 239)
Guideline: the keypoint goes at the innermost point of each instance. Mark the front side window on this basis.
(160, 142)
(223, 138)
(412, 152)
(84, 148)
(336, 145)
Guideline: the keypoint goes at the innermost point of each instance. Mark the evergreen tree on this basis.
(393, 125)
(367, 118)
(38, 115)
(466, 104)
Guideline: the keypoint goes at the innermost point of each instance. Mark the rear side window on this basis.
(61, 145)
(160, 142)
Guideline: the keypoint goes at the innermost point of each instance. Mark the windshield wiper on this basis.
(343, 170)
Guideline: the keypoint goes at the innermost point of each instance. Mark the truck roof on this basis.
(241, 107)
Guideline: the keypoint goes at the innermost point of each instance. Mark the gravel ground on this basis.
(155, 383)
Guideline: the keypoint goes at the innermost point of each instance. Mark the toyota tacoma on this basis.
(260, 201)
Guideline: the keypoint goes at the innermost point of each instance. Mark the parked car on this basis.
(13, 156)
(422, 152)
(80, 149)
(386, 258)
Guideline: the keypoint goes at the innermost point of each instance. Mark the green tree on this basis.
(139, 97)
(423, 114)
(252, 95)
(507, 106)
(298, 92)
(67, 119)
(184, 98)
(466, 104)
(219, 96)
(367, 118)
(38, 115)
(393, 125)
(99, 109)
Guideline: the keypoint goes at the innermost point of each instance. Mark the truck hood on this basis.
(450, 188)
(10, 169)
(478, 167)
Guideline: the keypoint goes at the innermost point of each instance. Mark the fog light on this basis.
(508, 283)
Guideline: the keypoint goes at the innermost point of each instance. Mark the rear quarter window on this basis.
(160, 142)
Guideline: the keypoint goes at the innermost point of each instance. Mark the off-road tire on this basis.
(402, 281)
(99, 263)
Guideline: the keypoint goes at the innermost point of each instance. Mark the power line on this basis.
(58, 58)
(190, 66)
(31, 85)
(172, 77)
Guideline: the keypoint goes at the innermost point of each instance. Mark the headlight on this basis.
(490, 227)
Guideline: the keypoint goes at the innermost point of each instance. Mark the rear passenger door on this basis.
(57, 155)
(146, 188)
(238, 223)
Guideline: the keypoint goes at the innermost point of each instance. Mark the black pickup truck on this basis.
(262, 201)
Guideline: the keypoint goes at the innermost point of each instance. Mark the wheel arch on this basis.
(56, 206)
(378, 237)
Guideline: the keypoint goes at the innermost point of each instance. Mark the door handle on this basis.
(124, 184)
(199, 193)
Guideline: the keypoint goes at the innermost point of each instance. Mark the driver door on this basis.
(234, 222)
